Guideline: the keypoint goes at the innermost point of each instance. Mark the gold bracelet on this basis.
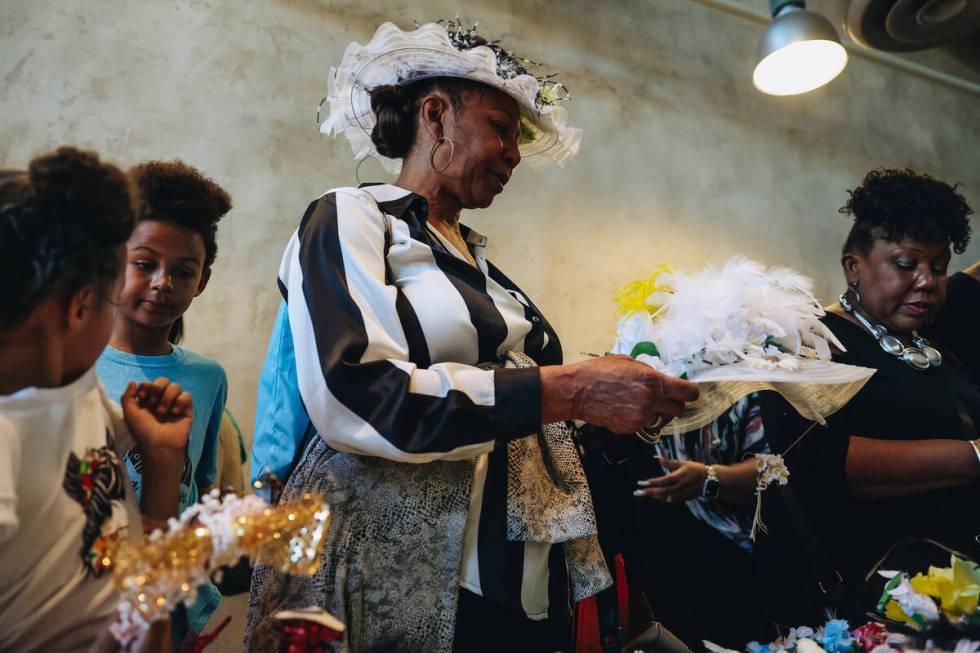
(976, 447)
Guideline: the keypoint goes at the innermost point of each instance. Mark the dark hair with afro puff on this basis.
(176, 193)
(61, 223)
(897, 203)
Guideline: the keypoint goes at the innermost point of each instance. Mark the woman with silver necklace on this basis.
(919, 355)
(902, 459)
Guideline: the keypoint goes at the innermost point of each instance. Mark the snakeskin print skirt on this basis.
(390, 565)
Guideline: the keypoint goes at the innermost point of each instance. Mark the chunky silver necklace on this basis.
(920, 357)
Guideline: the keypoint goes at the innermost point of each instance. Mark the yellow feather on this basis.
(632, 298)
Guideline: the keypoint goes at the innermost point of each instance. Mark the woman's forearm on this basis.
(888, 468)
(737, 482)
(886, 491)
(558, 389)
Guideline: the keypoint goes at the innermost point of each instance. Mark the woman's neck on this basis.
(838, 310)
(133, 338)
(31, 356)
(444, 208)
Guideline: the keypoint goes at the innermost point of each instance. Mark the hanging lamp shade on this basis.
(799, 51)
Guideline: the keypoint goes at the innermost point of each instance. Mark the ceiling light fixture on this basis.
(799, 51)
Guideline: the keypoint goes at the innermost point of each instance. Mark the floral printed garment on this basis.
(731, 438)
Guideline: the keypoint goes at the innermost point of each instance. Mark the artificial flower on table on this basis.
(871, 635)
(733, 330)
(934, 612)
(835, 636)
(163, 569)
(942, 601)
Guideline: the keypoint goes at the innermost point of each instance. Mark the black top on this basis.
(957, 325)
(898, 403)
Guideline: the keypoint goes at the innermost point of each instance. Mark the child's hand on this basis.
(159, 416)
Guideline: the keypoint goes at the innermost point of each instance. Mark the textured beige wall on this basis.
(683, 160)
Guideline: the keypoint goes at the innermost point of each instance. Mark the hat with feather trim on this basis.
(396, 57)
(735, 330)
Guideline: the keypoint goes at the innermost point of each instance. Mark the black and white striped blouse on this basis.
(387, 354)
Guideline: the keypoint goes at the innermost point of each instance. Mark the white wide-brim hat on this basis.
(394, 57)
(817, 390)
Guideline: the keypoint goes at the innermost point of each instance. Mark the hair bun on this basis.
(61, 223)
(897, 203)
(390, 95)
(394, 130)
(78, 190)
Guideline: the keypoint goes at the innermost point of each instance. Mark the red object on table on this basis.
(302, 636)
(307, 631)
(870, 635)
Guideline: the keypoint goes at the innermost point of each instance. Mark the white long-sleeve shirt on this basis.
(388, 341)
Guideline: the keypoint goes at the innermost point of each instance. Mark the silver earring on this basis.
(853, 287)
(432, 153)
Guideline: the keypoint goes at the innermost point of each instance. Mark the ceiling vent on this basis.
(910, 25)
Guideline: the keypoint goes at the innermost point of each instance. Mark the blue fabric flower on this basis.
(756, 647)
(837, 636)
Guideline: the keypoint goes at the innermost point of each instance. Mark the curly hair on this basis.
(61, 222)
(176, 193)
(897, 203)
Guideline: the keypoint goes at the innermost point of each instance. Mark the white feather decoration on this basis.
(739, 329)
(741, 312)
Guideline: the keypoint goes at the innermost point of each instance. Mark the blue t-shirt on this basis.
(205, 379)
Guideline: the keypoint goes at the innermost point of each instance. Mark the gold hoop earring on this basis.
(432, 153)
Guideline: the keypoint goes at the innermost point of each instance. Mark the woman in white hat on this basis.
(459, 521)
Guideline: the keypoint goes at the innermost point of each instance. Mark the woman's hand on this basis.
(684, 481)
(614, 392)
(159, 416)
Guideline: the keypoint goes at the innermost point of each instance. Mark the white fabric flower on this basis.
(631, 330)
(967, 646)
(911, 601)
(807, 645)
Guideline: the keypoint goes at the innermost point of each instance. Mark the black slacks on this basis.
(483, 625)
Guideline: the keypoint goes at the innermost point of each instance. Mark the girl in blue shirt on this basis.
(168, 264)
